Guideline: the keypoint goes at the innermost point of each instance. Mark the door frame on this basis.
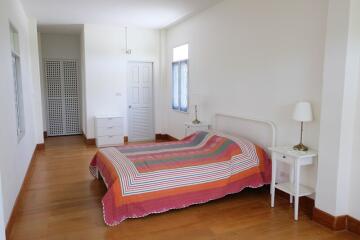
(152, 99)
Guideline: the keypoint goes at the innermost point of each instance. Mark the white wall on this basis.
(354, 92)
(60, 45)
(16, 156)
(35, 67)
(332, 102)
(339, 106)
(83, 83)
(254, 58)
(2, 223)
(106, 66)
(57, 46)
(354, 195)
(163, 81)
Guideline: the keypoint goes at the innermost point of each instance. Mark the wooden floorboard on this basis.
(63, 201)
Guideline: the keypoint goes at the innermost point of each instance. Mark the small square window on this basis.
(181, 53)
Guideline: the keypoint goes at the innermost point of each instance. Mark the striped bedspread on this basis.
(156, 177)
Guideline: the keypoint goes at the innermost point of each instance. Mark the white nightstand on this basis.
(296, 159)
(190, 128)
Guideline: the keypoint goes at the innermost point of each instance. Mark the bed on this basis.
(156, 177)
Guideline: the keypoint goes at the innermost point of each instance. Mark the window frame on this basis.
(179, 108)
(179, 62)
(18, 85)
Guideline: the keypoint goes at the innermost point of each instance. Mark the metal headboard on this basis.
(261, 132)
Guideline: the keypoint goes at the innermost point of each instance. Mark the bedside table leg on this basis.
(292, 182)
(296, 209)
(297, 189)
(272, 196)
(273, 181)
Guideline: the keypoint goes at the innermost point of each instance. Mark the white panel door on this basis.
(140, 102)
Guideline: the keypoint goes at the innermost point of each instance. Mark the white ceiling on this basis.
(140, 13)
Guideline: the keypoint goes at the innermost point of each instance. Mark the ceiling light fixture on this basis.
(127, 51)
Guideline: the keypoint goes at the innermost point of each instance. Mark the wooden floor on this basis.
(62, 201)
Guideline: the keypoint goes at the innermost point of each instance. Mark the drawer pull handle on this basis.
(284, 157)
(110, 127)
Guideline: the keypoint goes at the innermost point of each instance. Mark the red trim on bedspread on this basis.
(113, 215)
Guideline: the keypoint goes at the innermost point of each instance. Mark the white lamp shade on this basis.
(303, 112)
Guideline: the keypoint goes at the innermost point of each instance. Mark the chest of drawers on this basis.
(109, 131)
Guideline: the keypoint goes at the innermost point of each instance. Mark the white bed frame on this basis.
(260, 132)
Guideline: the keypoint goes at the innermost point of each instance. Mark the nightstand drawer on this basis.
(283, 158)
(198, 128)
(286, 158)
(191, 128)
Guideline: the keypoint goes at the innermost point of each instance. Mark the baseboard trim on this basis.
(165, 137)
(40, 146)
(353, 225)
(15, 209)
(336, 223)
(159, 136)
(89, 141)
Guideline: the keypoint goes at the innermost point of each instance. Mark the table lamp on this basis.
(197, 99)
(302, 113)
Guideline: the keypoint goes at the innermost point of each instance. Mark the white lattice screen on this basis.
(63, 97)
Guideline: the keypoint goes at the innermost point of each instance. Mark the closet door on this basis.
(71, 97)
(62, 97)
(54, 82)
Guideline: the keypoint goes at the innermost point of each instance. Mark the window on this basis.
(180, 78)
(19, 104)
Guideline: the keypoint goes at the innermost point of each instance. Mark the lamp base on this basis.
(301, 147)
(196, 121)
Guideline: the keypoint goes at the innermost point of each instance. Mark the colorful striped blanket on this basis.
(157, 177)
